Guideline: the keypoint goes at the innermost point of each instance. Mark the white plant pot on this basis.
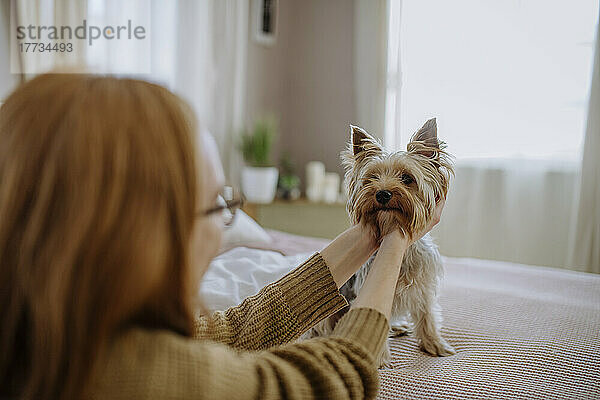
(259, 184)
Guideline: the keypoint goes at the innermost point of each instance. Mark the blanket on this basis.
(520, 332)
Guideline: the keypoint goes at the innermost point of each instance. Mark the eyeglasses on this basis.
(228, 202)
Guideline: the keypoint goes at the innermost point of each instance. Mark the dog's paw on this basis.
(385, 358)
(437, 347)
(399, 329)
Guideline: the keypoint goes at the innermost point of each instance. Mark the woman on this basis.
(108, 220)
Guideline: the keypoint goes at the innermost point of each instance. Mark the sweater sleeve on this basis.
(146, 364)
(279, 313)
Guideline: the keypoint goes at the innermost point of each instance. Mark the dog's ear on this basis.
(362, 142)
(425, 141)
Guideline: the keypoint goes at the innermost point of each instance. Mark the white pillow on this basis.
(242, 272)
(244, 232)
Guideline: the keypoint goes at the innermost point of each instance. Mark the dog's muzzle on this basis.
(383, 196)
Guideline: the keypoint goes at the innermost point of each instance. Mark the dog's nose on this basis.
(383, 196)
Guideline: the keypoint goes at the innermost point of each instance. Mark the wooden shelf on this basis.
(301, 217)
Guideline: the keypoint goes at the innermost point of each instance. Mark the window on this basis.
(504, 78)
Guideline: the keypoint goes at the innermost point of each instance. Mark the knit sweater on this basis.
(248, 351)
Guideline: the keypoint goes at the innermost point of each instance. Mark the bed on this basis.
(520, 332)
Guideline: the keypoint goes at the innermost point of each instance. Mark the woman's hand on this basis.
(435, 218)
(348, 252)
(403, 241)
(378, 289)
(353, 247)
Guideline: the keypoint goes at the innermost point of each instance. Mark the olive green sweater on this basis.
(247, 352)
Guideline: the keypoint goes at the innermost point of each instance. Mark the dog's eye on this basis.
(407, 179)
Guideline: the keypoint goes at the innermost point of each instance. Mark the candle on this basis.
(331, 187)
(315, 174)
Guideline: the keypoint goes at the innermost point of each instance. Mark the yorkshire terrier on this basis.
(399, 191)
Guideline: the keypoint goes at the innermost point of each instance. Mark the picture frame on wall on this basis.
(265, 21)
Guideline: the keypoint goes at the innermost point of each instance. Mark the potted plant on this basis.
(289, 182)
(259, 176)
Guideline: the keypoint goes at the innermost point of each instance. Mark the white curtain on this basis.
(508, 82)
(518, 211)
(370, 47)
(197, 48)
(8, 80)
(122, 56)
(585, 242)
(208, 69)
(47, 13)
(228, 99)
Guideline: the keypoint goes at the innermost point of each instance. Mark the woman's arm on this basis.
(151, 364)
(348, 252)
(280, 312)
(283, 310)
(378, 290)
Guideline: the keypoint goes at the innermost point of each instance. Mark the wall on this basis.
(320, 102)
(307, 79)
(266, 76)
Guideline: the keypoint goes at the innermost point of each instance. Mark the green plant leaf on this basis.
(256, 146)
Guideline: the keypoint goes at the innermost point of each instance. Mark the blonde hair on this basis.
(98, 192)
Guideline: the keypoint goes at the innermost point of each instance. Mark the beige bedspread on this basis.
(520, 332)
